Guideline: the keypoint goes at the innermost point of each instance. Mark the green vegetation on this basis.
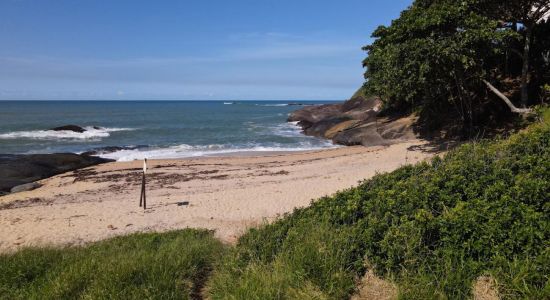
(433, 228)
(360, 93)
(440, 56)
(170, 265)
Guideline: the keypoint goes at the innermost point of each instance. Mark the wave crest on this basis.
(184, 150)
(91, 133)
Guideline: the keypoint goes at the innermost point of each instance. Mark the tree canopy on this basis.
(444, 55)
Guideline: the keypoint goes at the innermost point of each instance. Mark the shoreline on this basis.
(229, 153)
(224, 194)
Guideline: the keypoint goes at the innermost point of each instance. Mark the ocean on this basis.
(153, 129)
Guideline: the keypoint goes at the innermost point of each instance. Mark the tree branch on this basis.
(509, 103)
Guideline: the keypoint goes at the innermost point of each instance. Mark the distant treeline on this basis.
(463, 58)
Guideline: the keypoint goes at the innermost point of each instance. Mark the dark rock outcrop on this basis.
(16, 169)
(73, 128)
(353, 122)
(315, 113)
(320, 128)
(365, 134)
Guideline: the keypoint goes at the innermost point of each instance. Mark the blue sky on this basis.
(187, 49)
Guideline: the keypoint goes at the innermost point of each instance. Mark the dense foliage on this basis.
(170, 265)
(482, 209)
(437, 54)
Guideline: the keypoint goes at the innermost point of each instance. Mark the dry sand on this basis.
(226, 194)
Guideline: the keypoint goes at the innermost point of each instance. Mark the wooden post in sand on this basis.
(142, 198)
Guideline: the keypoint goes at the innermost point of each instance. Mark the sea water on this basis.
(153, 129)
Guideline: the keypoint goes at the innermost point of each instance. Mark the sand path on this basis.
(226, 194)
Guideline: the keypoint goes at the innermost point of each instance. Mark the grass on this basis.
(170, 265)
(432, 229)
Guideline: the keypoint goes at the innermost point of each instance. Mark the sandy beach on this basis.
(225, 194)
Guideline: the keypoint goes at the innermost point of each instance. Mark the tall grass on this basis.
(171, 265)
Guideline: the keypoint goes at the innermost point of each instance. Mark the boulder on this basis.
(73, 128)
(365, 134)
(7, 183)
(25, 187)
(319, 129)
(20, 169)
(399, 129)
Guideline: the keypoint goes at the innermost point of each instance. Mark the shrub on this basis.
(434, 228)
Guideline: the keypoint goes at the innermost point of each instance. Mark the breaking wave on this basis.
(274, 105)
(91, 133)
(184, 150)
(285, 130)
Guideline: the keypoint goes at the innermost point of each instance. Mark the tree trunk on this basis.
(525, 68)
(509, 103)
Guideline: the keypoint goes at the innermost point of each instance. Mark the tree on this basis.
(527, 13)
(442, 54)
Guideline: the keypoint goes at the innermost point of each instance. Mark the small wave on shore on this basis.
(90, 133)
(289, 129)
(273, 105)
(284, 130)
(185, 151)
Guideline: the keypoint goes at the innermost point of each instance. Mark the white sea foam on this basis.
(289, 129)
(91, 133)
(183, 151)
(273, 105)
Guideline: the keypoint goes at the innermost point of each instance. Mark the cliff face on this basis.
(354, 122)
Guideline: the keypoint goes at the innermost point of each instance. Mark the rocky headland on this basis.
(357, 121)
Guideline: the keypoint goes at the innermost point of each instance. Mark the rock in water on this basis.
(20, 169)
(25, 187)
(73, 128)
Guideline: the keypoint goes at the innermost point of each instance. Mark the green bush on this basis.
(433, 228)
(172, 265)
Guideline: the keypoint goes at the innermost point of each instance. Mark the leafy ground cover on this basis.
(432, 228)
